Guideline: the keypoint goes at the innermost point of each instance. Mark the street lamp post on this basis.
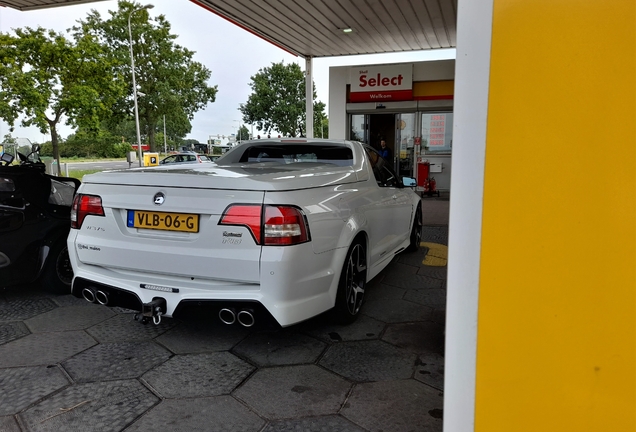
(134, 83)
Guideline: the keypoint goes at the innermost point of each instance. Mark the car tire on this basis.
(58, 273)
(351, 286)
(416, 231)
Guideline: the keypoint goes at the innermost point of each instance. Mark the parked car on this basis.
(184, 157)
(34, 224)
(283, 228)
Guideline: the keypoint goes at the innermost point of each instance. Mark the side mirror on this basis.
(409, 181)
(35, 148)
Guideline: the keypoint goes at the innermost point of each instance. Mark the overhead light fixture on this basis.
(347, 30)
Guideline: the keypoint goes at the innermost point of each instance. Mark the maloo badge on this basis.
(159, 198)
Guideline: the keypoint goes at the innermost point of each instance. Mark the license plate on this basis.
(183, 222)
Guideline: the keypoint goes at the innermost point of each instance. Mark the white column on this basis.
(309, 97)
(467, 182)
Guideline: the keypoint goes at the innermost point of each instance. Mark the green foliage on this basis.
(173, 83)
(47, 78)
(277, 101)
(84, 145)
(243, 133)
(321, 125)
(8, 139)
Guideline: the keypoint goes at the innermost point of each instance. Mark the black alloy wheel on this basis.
(352, 284)
(416, 231)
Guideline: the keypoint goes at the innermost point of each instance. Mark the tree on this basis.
(321, 125)
(243, 133)
(171, 82)
(277, 101)
(47, 78)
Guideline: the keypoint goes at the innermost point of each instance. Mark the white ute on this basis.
(283, 229)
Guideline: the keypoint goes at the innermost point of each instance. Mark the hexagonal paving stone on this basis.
(123, 328)
(293, 391)
(435, 234)
(44, 348)
(8, 424)
(118, 360)
(383, 292)
(435, 298)
(215, 414)
(396, 269)
(279, 348)
(396, 310)
(413, 259)
(364, 328)
(369, 361)
(409, 281)
(314, 424)
(101, 407)
(395, 406)
(24, 308)
(433, 271)
(202, 336)
(420, 337)
(12, 331)
(71, 300)
(195, 375)
(23, 386)
(68, 318)
(430, 370)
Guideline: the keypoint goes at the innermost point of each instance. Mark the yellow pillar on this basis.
(556, 337)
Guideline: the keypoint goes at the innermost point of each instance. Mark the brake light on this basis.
(276, 225)
(84, 205)
(284, 225)
(247, 215)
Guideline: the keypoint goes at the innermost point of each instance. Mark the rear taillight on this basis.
(247, 215)
(84, 205)
(270, 225)
(284, 225)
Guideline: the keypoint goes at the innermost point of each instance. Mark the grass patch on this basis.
(79, 159)
(81, 173)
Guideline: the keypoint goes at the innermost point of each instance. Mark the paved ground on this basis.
(66, 364)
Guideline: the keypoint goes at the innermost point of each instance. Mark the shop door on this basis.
(359, 128)
(404, 139)
(373, 128)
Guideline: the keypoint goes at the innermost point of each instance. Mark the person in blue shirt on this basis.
(385, 152)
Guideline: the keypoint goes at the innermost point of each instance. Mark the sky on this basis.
(232, 54)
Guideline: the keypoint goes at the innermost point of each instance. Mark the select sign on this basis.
(381, 83)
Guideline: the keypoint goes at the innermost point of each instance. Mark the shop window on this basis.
(437, 132)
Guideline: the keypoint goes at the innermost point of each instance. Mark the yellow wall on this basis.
(556, 335)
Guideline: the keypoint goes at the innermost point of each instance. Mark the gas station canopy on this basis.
(323, 28)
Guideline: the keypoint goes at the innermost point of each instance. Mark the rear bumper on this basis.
(289, 291)
(205, 309)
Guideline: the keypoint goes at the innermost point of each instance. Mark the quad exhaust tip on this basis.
(101, 297)
(246, 318)
(227, 316)
(89, 295)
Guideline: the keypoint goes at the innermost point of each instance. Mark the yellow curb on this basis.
(437, 255)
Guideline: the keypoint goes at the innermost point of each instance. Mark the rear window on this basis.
(298, 153)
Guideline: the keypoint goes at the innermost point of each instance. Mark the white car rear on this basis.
(266, 233)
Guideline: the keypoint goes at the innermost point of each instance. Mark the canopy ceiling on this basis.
(315, 28)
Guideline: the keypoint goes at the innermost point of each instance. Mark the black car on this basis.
(34, 224)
